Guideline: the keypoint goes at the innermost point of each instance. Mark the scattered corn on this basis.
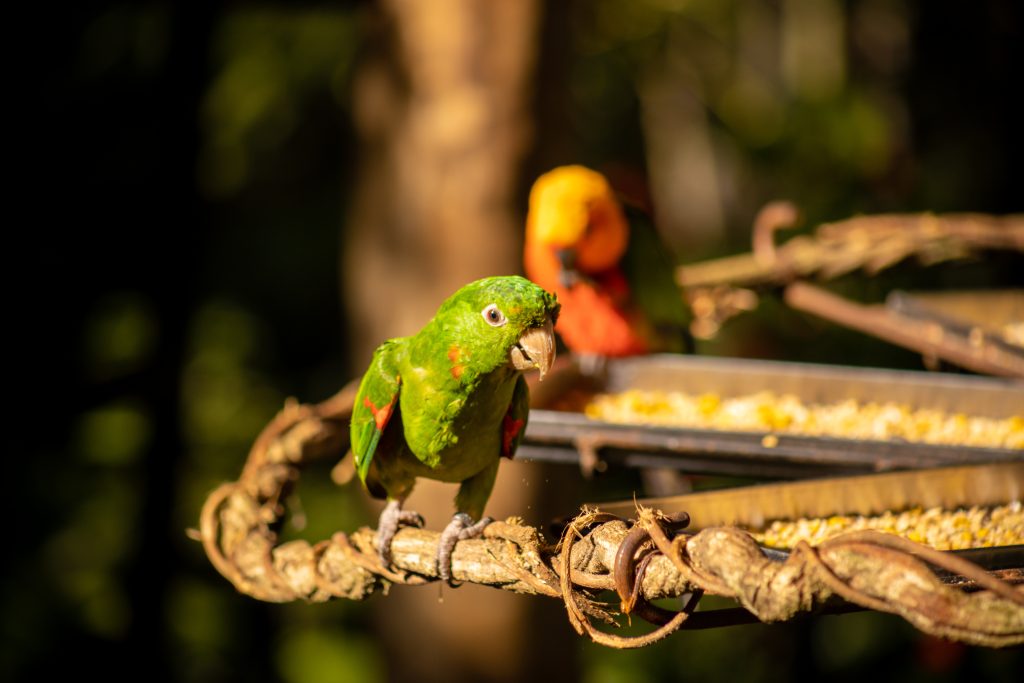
(770, 412)
(975, 527)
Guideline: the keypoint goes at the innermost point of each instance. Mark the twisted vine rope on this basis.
(598, 552)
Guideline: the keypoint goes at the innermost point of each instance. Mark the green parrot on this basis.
(448, 402)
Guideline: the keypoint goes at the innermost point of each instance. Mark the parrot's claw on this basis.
(391, 518)
(460, 528)
(410, 518)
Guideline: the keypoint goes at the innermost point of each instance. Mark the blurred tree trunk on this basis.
(442, 111)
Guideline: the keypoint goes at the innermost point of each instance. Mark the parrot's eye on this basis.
(493, 315)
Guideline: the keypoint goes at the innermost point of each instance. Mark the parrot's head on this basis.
(574, 212)
(500, 321)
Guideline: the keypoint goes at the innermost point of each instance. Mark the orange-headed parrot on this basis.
(605, 263)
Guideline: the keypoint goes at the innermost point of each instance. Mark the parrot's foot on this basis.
(459, 529)
(391, 517)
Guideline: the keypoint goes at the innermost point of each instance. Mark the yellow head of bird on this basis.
(573, 207)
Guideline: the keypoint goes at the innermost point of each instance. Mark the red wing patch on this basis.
(380, 415)
(510, 428)
(453, 355)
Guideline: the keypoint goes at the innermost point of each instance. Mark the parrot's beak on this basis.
(535, 349)
(567, 273)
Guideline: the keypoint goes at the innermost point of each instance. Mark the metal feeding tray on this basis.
(754, 507)
(949, 488)
(569, 436)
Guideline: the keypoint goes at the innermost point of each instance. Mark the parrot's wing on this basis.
(649, 268)
(375, 404)
(514, 423)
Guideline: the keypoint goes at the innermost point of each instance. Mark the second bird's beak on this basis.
(535, 349)
(568, 276)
